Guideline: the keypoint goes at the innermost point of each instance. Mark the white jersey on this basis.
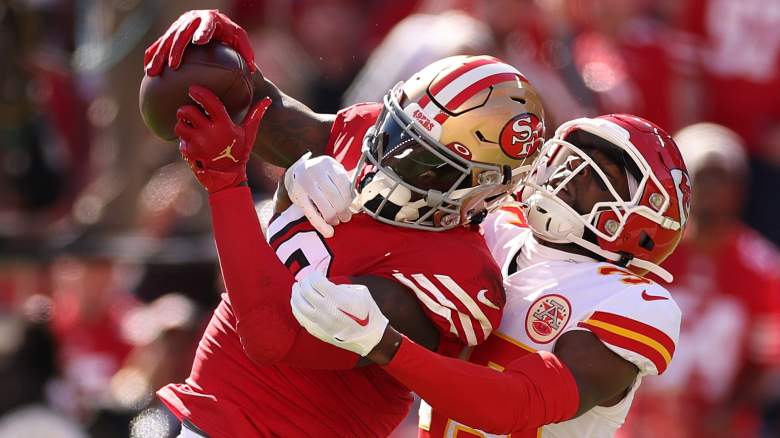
(550, 292)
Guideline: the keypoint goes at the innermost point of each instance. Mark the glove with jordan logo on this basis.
(198, 27)
(344, 315)
(322, 188)
(216, 149)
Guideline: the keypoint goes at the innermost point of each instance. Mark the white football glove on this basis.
(344, 315)
(322, 188)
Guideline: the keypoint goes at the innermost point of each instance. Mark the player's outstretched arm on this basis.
(290, 128)
(535, 390)
(217, 151)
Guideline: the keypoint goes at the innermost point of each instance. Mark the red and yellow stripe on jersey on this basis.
(632, 335)
(462, 83)
(516, 214)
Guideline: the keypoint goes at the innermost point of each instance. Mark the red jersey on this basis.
(451, 273)
(730, 333)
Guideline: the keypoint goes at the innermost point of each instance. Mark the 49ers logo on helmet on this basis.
(522, 136)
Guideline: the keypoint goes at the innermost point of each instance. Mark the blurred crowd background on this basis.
(107, 267)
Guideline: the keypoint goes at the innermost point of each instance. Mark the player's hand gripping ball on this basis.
(196, 27)
(215, 66)
(216, 148)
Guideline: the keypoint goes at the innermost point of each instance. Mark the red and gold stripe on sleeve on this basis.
(632, 335)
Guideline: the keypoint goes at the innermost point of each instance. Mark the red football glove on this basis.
(216, 149)
(200, 27)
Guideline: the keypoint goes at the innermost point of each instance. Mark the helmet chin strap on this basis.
(551, 221)
(554, 223)
(613, 256)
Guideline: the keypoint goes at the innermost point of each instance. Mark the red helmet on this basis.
(639, 232)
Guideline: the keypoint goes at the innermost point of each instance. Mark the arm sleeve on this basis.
(534, 390)
(259, 288)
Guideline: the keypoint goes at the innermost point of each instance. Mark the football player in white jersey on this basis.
(606, 202)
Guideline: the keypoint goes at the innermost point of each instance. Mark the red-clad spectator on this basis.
(727, 283)
(89, 304)
(739, 61)
(622, 53)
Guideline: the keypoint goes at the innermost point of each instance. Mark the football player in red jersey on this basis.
(606, 201)
(442, 150)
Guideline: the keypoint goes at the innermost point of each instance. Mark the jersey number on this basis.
(300, 251)
(628, 277)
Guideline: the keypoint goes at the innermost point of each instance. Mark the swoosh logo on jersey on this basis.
(484, 300)
(361, 322)
(647, 297)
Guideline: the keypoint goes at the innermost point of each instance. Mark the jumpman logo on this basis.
(227, 153)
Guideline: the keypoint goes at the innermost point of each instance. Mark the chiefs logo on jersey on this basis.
(546, 317)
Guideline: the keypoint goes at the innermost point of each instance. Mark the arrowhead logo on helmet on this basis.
(682, 184)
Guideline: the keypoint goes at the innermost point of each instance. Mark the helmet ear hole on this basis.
(518, 99)
(646, 242)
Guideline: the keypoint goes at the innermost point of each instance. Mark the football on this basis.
(215, 66)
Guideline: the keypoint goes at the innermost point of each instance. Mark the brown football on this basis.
(215, 66)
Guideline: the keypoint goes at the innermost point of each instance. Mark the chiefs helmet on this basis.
(639, 232)
(450, 144)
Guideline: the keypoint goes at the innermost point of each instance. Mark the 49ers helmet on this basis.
(639, 232)
(450, 144)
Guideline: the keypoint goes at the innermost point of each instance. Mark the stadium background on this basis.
(107, 268)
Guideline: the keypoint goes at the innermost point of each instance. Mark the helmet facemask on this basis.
(554, 219)
(406, 177)
(550, 180)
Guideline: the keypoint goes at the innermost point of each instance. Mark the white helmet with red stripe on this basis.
(639, 229)
(450, 144)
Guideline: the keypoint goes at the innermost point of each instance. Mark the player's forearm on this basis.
(250, 269)
(259, 285)
(533, 391)
(289, 127)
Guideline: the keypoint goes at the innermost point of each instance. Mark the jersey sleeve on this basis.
(349, 128)
(641, 324)
(500, 229)
(463, 298)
